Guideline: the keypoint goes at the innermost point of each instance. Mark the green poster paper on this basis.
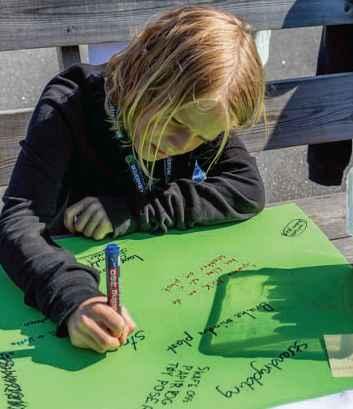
(228, 317)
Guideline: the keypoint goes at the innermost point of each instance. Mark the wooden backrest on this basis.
(299, 111)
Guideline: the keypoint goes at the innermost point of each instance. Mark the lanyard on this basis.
(138, 176)
(134, 167)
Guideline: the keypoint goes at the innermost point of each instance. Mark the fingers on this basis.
(95, 325)
(88, 217)
(73, 211)
(110, 319)
(97, 223)
(102, 340)
(103, 228)
(92, 336)
(128, 320)
(84, 342)
(91, 213)
(93, 223)
(129, 327)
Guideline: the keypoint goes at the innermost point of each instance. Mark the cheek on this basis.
(177, 138)
(194, 143)
(182, 143)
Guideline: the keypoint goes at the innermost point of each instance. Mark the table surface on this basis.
(328, 212)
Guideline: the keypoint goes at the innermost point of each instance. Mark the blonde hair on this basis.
(186, 54)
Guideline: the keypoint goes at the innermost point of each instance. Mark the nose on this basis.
(182, 141)
(178, 139)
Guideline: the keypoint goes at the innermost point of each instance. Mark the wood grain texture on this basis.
(345, 246)
(13, 126)
(2, 191)
(299, 112)
(303, 111)
(47, 23)
(327, 211)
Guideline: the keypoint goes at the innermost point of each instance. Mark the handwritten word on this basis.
(169, 386)
(97, 259)
(131, 258)
(35, 322)
(295, 228)
(13, 391)
(206, 277)
(32, 339)
(256, 378)
(94, 260)
(250, 312)
(153, 396)
(213, 262)
(135, 339)
(180, 342)
(195, 382)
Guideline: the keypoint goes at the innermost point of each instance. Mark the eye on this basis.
(177, 122)
(198, 136)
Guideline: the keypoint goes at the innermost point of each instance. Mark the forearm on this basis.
(233, 191)
(51, 279)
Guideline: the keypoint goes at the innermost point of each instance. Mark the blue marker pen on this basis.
(112, 265)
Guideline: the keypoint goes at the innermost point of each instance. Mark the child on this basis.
(140, 144)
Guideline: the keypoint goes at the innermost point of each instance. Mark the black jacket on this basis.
(69, 153)
(327, 161)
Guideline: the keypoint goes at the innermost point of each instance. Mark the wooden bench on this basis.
(300, 111)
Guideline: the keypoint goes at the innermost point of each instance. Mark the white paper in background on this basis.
(339, 348)
(343, 400)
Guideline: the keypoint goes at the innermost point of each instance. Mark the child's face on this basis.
(193, 125)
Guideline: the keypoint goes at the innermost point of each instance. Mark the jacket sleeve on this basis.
(50, 277)
(232, 192)
(119, 214)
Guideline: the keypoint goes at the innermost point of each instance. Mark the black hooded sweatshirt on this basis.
(70, 153)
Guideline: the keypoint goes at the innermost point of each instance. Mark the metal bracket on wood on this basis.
(68, 55)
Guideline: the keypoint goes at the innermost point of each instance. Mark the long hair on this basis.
(185, 55)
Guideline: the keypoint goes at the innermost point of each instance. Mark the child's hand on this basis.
(88, 217)
(95, 325)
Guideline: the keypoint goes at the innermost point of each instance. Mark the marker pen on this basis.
(112, 265)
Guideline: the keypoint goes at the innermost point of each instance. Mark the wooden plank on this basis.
(327, 211)
(345, 246)
(13, 126)
(304, 111)
(47, 23)
(68, 56)
(299, 112)
(2, 191)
